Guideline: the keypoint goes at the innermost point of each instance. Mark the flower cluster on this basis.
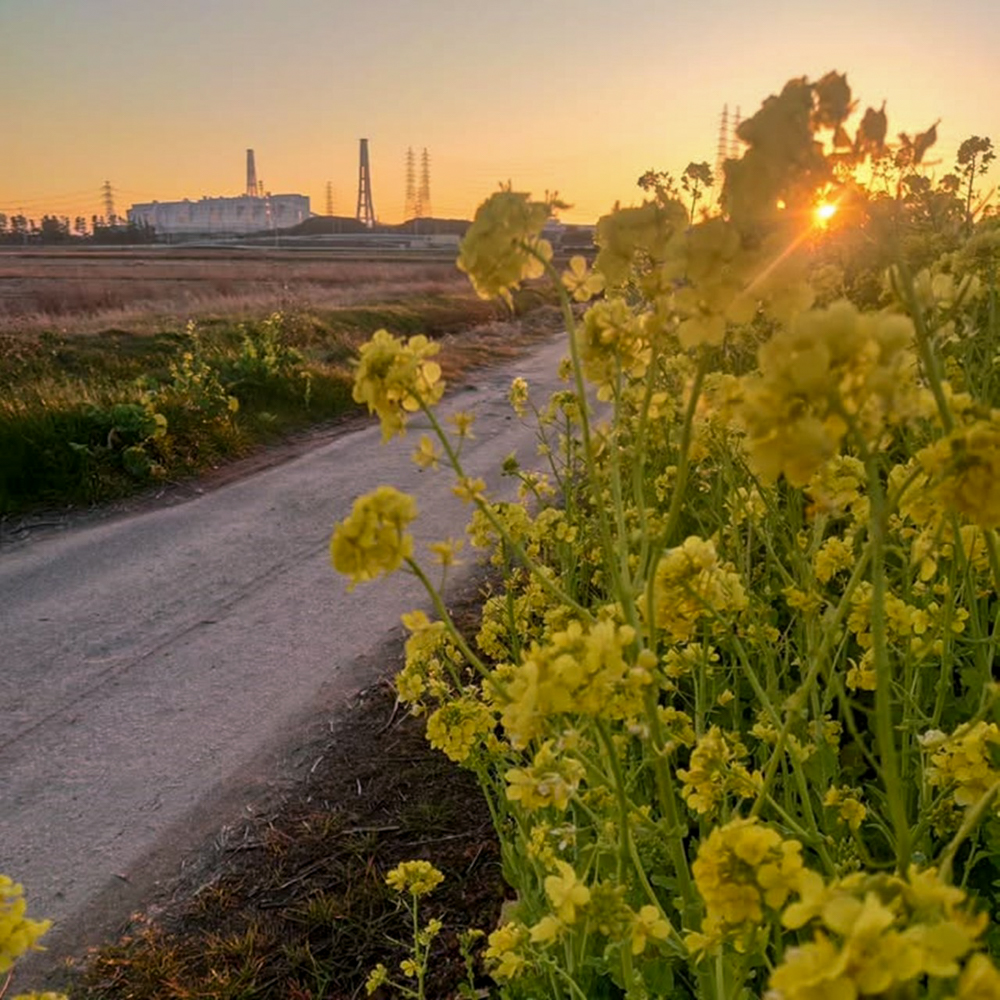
(742, 868)
(611, 343)
(690, 585)
(459, 726)
(717, 272)
(716, 768)
(872, 933)
(832, 372)
(967, 464)
(503, 246)
(395, 377)
(505, 954)
(550, 780)
(644, 239)
(966, 762)
(847, 802)
(373, 539)
(518, 396)
(581, 671)
(415, 877)
(18, 933)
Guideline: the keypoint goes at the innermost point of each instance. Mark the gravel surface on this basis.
(158, 669)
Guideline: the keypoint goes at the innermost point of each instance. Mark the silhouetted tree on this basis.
(54, 230)
(696, 179)
(974, 158)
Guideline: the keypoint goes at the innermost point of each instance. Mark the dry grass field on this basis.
(142, 289)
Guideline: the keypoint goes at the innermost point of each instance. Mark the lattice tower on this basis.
(329, 198)
(424, 191)
(734, 139)
(410, 204)
(108, 197)
(366, 211)
(721, 150)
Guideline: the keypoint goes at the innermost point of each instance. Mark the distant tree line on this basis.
(53, 229)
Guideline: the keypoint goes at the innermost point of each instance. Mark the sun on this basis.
(824, 212)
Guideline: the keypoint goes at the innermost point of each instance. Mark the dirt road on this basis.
(158, 670)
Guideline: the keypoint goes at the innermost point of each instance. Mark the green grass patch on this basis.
(90, 418)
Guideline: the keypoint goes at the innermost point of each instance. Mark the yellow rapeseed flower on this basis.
(503, 246)
(741, 868)
(848, 805)
(373, 540)
(550, 781)
(376, 978)
(394, 377)
(647, 924)
(831, 372)
(566, 892)
(504, 954)
(518, 396)
(415, 877)
(964, 764)
(18, 933)
(458, 726)
(692, 584)
(469, 489)
(427, 454)
(580, 282)
(967, 465)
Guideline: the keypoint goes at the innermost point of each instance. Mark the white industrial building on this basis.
(222, 216)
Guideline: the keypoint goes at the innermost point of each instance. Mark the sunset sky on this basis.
(163, 97)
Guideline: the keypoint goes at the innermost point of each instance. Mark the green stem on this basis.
(676, 499)
(924, 346)
(419, 958)
(537, 571)
(607, 543)
(884, 730)
(684, 463)
(667, 794)
(973, 815)
(449, 625)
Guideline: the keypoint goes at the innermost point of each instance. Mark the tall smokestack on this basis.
(251, 175)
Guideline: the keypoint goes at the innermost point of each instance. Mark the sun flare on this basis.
(825, 212)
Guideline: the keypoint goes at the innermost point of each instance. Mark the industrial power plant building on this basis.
(248, 213)
(220, 216)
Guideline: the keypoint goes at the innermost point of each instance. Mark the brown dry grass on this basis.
(142, 291)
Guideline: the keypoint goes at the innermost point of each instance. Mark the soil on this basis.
(292, 903)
